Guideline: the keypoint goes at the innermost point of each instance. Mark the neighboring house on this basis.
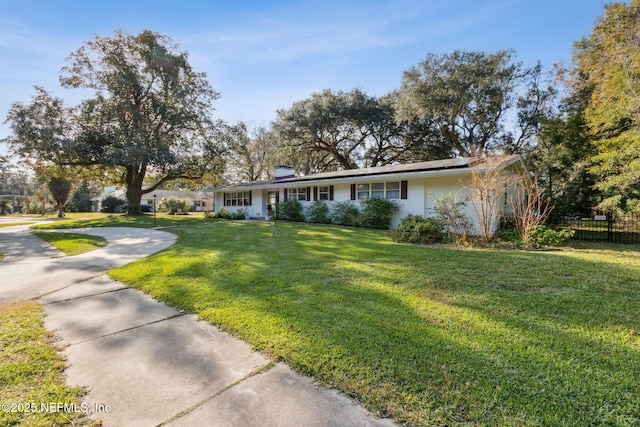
(198, 200)
(415, 186)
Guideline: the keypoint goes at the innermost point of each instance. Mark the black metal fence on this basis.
(605, 228)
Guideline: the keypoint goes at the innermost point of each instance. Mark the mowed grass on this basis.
(428, 335)
(32, 372)
(13, 224)
(72, 243)
(122, 220)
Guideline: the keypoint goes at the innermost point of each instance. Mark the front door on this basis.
(273, 198)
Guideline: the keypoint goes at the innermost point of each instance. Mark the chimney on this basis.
(283, 172)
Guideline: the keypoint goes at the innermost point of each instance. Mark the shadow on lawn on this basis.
(417, 333)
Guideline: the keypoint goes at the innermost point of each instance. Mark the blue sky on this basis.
(265, 55)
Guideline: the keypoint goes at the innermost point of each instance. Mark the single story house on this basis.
(415, 186)
(198, 200)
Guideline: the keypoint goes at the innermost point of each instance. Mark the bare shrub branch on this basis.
(530, 206)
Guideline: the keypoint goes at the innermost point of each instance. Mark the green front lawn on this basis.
(32, 381)
(72, 243)
(122, 220)
(428, 335)
(13, 224)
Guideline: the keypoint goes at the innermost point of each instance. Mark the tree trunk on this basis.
(60, 210)
(134, 179)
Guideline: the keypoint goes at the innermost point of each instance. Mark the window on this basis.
(240, 198)
(363, 191)
(298, 193)
(392, 190)
(379, 190)
(323, 193)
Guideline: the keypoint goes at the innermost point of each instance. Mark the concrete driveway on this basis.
(146, 364)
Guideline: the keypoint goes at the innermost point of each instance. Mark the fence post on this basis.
(610, 227)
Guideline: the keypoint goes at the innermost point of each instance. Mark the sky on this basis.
(265, 55)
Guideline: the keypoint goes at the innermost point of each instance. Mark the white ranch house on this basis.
(415, 186)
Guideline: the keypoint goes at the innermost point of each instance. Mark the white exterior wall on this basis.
(422, 192)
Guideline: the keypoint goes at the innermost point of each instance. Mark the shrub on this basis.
(542, 236)
(377, 213)
(317, 211)
(457, 223)
(84, 205)
(112, 204)
(173, 206)
(346, 213)
(208, 214)
(225, 214)
(416, 229)
(290, 210)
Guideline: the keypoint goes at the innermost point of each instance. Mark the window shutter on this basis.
(285, 194)
(249, 198)
(315, 194)
(331, 192)
(308, 194)
(403, 189)
(224, 199)
(353, 191)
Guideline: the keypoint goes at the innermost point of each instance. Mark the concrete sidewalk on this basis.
(144, 363)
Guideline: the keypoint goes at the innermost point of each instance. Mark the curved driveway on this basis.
(142, 362)
(33, 268)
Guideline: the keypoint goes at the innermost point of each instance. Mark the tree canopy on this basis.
(151, 112)
(607, 68)
(467, 95)
(349, 130)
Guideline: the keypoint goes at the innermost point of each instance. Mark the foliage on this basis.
(427, 335)
(249, 155)
(225, 214)
(112, 204)
(72, 243)
(40, 202)
(542, 236)
(457, 223)
(562, 162)
(416, 229)
(32, 371)
(318, 212)
(80, 200)
(378, 213)
(468, 96)
(150, 116)
(289, 210)
(174, 206)
(608, 69)
(346, 213)
(60, 189)
(348, 130)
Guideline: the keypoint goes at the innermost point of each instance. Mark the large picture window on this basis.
(379, 190)
(239, 198)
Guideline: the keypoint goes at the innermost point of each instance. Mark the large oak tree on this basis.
(151, 112)
(469, 96)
